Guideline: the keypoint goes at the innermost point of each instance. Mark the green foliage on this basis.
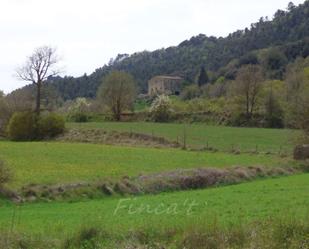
(27, 126)
(117, 92)
(79, 110)
(23, 126)
(50, 125)
(274, 112)
(274, 62)
(191, 92)
(87, 238)
(79, 117)
(242, 120)
(160, 109)
(250, 58)
(297, 97)
(248, 87)
(287, 32)
(203, 77)
(141, 104)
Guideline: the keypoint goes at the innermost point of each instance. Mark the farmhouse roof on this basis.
(168, 77)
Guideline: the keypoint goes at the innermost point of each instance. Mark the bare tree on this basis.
(249, 81)
(38, 67)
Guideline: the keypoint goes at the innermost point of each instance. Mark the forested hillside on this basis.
(272, 43)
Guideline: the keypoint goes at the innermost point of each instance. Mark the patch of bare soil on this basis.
(99, 136)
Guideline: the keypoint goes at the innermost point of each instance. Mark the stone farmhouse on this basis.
(169, 85)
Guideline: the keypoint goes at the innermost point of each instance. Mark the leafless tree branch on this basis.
(39, 66)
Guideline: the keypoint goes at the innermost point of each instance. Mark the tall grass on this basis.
(278, 233)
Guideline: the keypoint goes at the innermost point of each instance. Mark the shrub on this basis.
(85, 238)
(191, 92)
(22, 126)
(78, 111)
(79, 117)
(27, 126)
(243, 120)
(50, 125)
(160, 109)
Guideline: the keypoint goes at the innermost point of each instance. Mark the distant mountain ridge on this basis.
(288, 31)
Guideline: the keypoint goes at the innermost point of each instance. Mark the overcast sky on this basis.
(87, 33)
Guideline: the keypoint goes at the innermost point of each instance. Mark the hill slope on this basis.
(288, 31)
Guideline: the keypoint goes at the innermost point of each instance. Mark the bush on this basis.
(27, 126)
(160, 109)
(79, 117)
(191, 92)
(50, 125)
(242, 120)
(22, 126)
(78, 111)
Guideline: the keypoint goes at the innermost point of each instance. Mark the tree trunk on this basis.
(38, 99)
(118, 110)
(247, 106)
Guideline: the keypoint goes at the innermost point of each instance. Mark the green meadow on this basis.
(245, 202)
(57, 162)
(201, 135)
(50, 222)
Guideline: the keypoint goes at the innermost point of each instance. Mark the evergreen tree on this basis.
(203, 77)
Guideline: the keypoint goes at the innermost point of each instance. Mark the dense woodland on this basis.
(277, 41)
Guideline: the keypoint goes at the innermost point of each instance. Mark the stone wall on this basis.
(164, 85)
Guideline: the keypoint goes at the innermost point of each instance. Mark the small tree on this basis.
(38, 67)
(160, 109)
(297, 94)
(248, 86)
(274, 62)
(273, 110)
(79, 110)
(117, 92)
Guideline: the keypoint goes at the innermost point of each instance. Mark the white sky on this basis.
(87, 33)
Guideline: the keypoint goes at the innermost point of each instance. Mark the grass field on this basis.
(53, 162)
(198, 135)
(61, 162)
(245, 202)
